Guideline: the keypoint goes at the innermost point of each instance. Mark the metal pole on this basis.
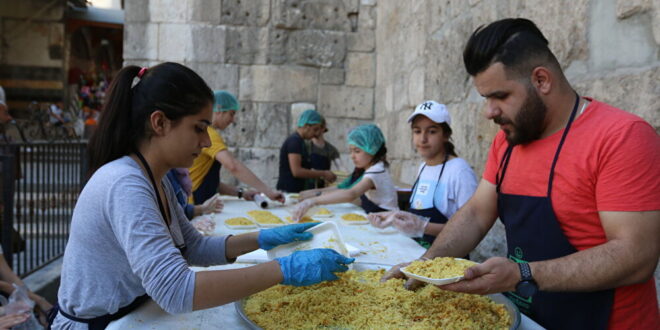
(8, 204)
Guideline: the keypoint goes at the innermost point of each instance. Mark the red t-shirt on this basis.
(610, 161)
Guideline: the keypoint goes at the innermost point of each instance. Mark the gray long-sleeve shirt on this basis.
(120, 248)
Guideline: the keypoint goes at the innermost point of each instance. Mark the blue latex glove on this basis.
(312, 266)
(270, 238)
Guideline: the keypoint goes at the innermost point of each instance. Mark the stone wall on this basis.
(279, 57)
(28, 29)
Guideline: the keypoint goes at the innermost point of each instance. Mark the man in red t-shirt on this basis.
(576, 183)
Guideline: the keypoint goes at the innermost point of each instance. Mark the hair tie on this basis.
(137, 78)
(142, 72)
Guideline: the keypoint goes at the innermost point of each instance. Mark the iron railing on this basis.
(42, 181)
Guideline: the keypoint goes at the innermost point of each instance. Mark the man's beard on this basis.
(528, 124)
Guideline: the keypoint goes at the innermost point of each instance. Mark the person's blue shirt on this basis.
(181, 195)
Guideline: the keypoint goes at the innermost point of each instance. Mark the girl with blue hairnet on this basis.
(295, 158)
(444, 182)
(205, 170)
(370, 181)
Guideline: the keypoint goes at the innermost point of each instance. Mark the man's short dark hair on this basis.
(515, 42)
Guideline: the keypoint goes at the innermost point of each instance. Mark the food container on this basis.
(252, 225)
(254, 214)
(326, 236)
(354, 222)
(322, 212)
(499, 298)
(435, 281)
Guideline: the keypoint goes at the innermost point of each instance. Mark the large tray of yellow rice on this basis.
(358, 300)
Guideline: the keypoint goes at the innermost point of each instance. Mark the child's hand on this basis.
(301, 209)
(381, 219)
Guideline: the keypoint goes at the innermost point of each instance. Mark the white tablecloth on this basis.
(376, 246)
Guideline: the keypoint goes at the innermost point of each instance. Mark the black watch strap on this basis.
(527, 287)
(239, 193)
(525, 272)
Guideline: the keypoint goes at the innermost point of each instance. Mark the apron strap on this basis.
(99, 322)
(561, 143)
(414, 187)
(504, 164)
(507, 154)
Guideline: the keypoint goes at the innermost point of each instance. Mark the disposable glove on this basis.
(270, 238)
(312, 266)
(409, 224)
(300, 209)
(380, 219)
(212, 205)
(204, 224)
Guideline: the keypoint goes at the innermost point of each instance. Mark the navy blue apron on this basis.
(534, 234)
(101, 322)
(209, 185)
(367, 205)
(432, 212)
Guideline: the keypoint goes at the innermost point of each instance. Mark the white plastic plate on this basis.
(241, 226)
(252, 226)
(435, 281)
(271, 225)
(326, 236)
(288, 220)
(317, 215)
(267, 225)
(361, 222)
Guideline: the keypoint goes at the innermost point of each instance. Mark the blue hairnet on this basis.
(225, 101)
(309, 117)
(367, 137)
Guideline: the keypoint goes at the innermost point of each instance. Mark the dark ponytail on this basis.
(449, 147)
(171, 88)
(381, 155)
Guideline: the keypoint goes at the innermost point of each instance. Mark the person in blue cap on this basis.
(295, 162)
(370, 181)
(205, 171)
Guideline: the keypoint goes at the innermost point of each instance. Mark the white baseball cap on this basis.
(432, 110)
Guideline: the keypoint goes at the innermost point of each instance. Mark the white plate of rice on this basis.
(447, 270)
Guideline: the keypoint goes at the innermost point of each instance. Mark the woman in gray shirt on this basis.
(131, 240)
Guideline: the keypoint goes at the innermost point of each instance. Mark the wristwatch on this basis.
(239, 193)
(527, 286)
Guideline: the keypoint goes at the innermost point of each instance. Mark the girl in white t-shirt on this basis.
(444, 182)
(370, 181)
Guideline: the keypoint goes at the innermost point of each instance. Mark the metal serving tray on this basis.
(360, 266)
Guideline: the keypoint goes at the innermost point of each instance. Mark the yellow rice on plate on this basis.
(264, 217)
(358, 300)
(353, 217)
(303, 220)
(323, 211)
(239, 221)
(441, 267)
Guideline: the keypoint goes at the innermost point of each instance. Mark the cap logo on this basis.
(426, 106)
